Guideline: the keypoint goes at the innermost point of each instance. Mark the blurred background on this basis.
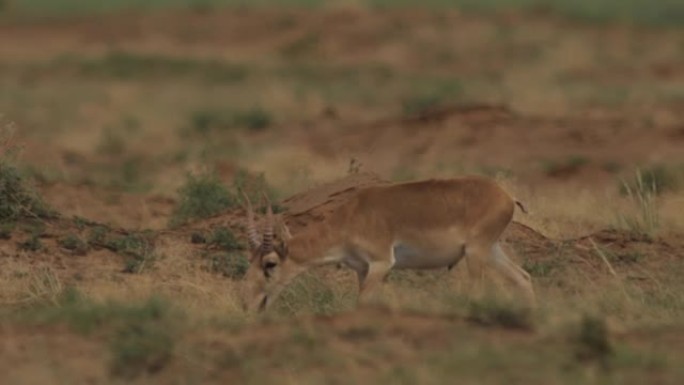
(115, 102)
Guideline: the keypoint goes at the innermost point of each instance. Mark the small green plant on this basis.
(254, 119)
(540, 268)
(97, 235)
(140, 348)
(202, 196)
(489, 312)
(626, 257)
(592, 341)
(6, 230)
(421, 104)
(82, 223)
(354, 166)
(232, 265)
(130, 175)
(206, 121)
(225, 239)
(197, 238)
(137, 248)
(17, 200)
(629, 257)
(33, 243)
(203, 122)
(73, 243)
(255, 186)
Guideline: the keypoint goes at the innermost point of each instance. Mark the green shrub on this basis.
(33, 243)
(231, 265)
(202, 196)
(253, 119)
(6, 230)
(225, 239)
(137, 248)
(140, 348)
(73, 243)
(140, 334)
(592, 340)
(16, 199)
(255, 186)
(540, 268)
(489, 312)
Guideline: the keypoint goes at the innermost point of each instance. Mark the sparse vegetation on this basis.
(592, 340)
(653, 180)
(225, 239)
(207, 121)
(436, 95)
(645, 218)
(140, 348)
(131, 66)
(73, 243)
(540, 268)
(309, 293)
(492, 312)
(32, 243)
(202, 196)
(230, 264)
(17, 199)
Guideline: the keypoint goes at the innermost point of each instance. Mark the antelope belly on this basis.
(408, 256)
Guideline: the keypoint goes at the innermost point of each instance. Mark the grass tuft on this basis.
(642, 193)
(229, 264)
(592, 341)
(489, 312)
(17, 199)
(202, 196)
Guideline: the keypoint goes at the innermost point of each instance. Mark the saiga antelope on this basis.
(416, 225)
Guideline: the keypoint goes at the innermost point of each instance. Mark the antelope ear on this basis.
(284, 232)
(282, 250)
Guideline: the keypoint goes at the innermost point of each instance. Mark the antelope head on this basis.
(268, 265)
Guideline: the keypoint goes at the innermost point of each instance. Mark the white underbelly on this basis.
(415, 257)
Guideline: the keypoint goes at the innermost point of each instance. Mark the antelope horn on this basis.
(252, 234)
(268, 232)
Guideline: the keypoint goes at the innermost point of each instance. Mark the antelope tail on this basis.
(522, 207)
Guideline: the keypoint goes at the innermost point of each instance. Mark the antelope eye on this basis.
(268, 268)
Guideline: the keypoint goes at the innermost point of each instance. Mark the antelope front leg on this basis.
(375, 274)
